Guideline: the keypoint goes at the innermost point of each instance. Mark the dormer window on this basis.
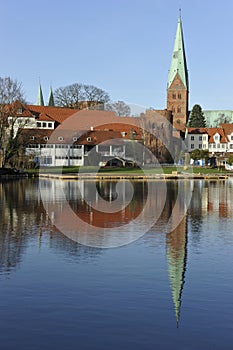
(19, 111)
(46, 138)
(89, 139)
(60, 138)
(75, 139)
(32, 138)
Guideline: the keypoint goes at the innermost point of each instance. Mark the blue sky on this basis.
(121, 46)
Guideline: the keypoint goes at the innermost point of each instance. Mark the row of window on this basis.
(178, 110)
(200, 138)
(179, 96)
(44, 125)
(66, 157)
(200, 146)
(60, 138)
(56, 146)
(211, 145)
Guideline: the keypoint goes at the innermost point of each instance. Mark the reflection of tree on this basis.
(22, 215)
(18, 218)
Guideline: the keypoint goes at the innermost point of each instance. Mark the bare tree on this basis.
(10, 91)
(69, 96)
(80, 96)
(120, 108)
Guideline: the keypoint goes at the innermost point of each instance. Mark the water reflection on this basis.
(23, 218)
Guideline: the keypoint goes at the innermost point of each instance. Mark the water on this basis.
(164, 290)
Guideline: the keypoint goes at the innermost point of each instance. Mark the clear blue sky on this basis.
(121, 46)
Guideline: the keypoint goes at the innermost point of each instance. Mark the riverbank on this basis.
(75, 173)
(133, 176)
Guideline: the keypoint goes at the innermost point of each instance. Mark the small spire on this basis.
(180, 13)
(40, 98)
(51, 98)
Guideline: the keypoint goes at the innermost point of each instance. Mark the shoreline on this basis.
(141, 177)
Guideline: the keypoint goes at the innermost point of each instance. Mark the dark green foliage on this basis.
(230, 159)
(197, 118)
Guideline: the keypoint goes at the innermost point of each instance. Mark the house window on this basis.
(218, 145)
(231, 146)
(38, 124)
(50, 125)
(200, 138)
(192, 146)
(223, 145)
(192, 138)
(200, 146)
(44, 125)
(231, 137)
(214, 146)
(204, 138)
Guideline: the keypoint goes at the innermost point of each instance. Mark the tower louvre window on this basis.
(179, 96)
(174, 96)
(178, 109)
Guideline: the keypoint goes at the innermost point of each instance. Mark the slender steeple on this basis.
(178, 62)
(51, 98)
(40, 98)
(178, 84)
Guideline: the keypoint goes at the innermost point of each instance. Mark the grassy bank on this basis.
(157, 170)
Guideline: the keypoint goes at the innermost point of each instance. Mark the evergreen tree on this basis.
(197, 118)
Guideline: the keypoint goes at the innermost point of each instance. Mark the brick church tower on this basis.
(178, 88)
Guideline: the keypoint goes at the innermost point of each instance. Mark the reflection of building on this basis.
(177, 257)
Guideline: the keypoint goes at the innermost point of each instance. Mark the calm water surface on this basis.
(162, 291)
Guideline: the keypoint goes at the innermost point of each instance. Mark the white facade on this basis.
(71, 155)
(197, 141)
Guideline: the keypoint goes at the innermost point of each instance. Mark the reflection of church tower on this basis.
(176, 257)
(177, 88)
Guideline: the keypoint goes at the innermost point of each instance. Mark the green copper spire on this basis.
(51, 98)
(40, 98)
(178, 63)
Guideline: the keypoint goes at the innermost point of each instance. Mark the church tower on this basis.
(178, 87)
(40, 98)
